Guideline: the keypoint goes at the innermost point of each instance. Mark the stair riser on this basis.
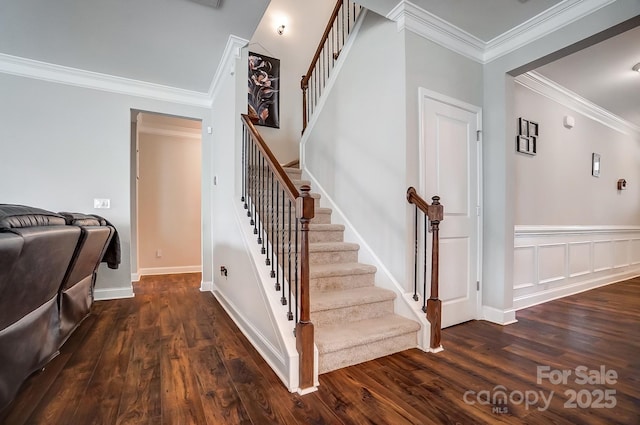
(359, 354)
(341, 282)
(333, 257)
(351, 313)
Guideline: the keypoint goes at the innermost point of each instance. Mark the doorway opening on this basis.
(166, 205)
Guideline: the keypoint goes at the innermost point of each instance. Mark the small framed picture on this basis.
(532, 129)
(526, 145)
(523, 127)
(595, 164)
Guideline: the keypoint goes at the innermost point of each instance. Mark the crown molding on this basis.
(550, 89)
(44, 71)
(552, 19)
(171, 131)
(94, 80)
(229, 56)
(415, 19)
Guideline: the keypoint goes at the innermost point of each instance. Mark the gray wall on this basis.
(356, 150)
(556, 187)
(63, 146)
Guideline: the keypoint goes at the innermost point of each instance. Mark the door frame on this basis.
(424, 93)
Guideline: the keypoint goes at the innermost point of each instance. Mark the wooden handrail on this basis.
(324, 59)
(304, 212)
(325, 35)
(435, 214)
(282, 177)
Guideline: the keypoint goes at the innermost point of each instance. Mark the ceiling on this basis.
(602, 74)
(179, 43)
(176, 43)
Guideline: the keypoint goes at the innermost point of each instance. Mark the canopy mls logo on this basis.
(600, 397)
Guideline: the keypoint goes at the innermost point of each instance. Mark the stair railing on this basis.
(433, 215)
(340, 25)
(280, 216)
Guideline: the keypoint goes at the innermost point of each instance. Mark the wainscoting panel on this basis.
(555, 261)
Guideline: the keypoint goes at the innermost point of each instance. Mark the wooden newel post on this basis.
(304, 328)
(434, 304)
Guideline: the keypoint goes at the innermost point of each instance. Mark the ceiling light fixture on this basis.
(636, 67)
(280, 29)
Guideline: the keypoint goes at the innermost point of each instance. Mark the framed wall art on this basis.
(264, 90)
(527, 138)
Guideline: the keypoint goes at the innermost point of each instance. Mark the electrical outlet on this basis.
(158, 253)
(101, 203)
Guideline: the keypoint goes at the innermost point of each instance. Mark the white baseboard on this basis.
(527, 301)
(102, 294)
(150, 271)
(135, 277)
(206, 286)
(501, 317)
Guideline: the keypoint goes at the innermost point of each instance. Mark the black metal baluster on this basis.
(283, 299)
(415, 256)
(250, 176)
(269, 232)
(424, 267)
(244, 165)
(296, 270)
(254, 200)
(260, 200)
(289, 314)
(274, 236)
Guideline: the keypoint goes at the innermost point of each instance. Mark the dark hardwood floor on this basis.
(172, 356)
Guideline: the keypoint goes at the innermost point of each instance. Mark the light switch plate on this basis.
(101, 203)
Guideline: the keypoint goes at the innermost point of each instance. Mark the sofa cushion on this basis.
(20, 216)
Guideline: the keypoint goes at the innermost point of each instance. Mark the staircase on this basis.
(354, 320)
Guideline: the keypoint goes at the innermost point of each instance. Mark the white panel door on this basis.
(450, 169)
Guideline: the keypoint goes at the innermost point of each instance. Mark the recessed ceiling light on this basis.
(636, 67)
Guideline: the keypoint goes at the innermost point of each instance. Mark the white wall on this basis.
(242, 292)
(169, 199)
(555, 187)
(304, 24)
(63, 146)
(357, 150)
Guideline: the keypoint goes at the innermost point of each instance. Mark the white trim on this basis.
(169, 270)
(94, 80)
(530, 300)
(227, 63)
(501, 317)
(172, 131)
(135, 277)
(206, 286)
(550, 89)
(44, 71)
(344, 53)
(425, 24)
(550, 20)
(103, 294)
(542, 230)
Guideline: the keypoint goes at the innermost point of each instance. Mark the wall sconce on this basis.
(280, 30)
(636, 67)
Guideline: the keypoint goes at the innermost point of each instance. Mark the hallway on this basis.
(171, 355)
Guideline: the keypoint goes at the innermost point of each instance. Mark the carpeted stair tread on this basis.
(340, 269)
(333, 246)
(345, 335)
(332, 300)
(321, 227)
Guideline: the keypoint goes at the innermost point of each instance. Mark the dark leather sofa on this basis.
(48, 265)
